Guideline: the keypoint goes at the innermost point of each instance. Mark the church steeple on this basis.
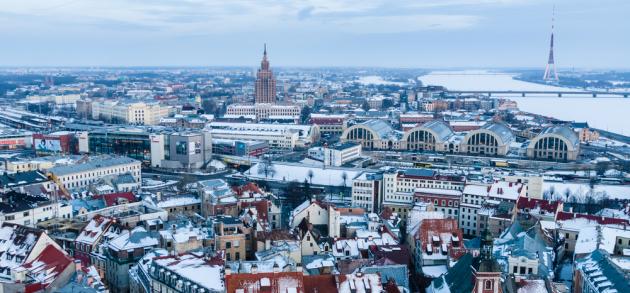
(486, 243)
(488, 274)
(265, 62)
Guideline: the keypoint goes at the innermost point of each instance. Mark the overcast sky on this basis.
(389, 33)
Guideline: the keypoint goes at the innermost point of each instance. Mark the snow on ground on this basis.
(605, 142)
(481, 80)
(586, 241)
(287, 172)
(604, 113)
(434, 271)
(377, 80)
(583, 190)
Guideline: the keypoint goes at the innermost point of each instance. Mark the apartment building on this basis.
(139, 113)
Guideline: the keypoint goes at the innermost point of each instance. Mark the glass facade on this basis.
(133, 145)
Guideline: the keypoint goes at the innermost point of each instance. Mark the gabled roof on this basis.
(111, 199)
(21, 178)
(16, 244)
(320, 284)
(534, 203)
(265, 282)
(46, 267)
(395, 254)
(458, 279)
(562, 216)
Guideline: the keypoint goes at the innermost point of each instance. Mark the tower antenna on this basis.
(550, 69)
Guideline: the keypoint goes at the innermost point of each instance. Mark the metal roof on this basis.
(441, 129)
(563, 131)
(95, 163)
(380, 127)
(501, 131)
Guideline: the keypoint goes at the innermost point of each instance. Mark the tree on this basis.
(266, 167)
(602, 167)
(209, 106)
(305, 114)
(307, 190)
(365, 106)
(310, 175)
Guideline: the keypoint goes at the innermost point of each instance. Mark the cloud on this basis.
(219, 17)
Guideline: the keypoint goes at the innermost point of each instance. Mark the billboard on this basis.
(47, 145)
(195, 148)
(181, 148)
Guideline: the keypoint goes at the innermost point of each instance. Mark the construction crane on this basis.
(54, 178)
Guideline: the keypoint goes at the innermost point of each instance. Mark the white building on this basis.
(22, 209)
(279, 136)
(70, 99)
(367, 191)
(473, 198)
(82, 175)
(339, 154)
(263, 111)
(138, 113)
(399, 187)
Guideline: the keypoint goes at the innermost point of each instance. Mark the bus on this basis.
(422, 165)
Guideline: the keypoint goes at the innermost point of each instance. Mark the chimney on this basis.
(174, 228)
(77, 265)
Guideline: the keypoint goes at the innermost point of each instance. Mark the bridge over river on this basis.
(559, 93)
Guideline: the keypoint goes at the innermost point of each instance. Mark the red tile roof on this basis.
(247, 188)
(563, 216)
(49, 264)
(320, 284)
(111, 199)
(533, 203)
(279, 282)
(261, 206)
(439, 227)
(388, 254)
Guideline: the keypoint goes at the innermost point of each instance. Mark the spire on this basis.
(550, 69)
(264, 64)
(486, 242)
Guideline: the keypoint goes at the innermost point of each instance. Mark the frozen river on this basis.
(605, 113)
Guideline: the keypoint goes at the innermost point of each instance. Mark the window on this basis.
(522, 270)
(228, 245)
(529, 270)
(487, 285)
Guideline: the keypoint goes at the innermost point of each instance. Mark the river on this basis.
(610, 114)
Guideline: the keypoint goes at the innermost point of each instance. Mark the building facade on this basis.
(265, 87)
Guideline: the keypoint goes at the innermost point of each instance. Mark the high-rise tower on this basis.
(265, 82)
(550, 70)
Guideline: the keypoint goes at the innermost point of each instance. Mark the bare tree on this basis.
(310, 175)
(266, 166)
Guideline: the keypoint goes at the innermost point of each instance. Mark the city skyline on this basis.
(408, 34)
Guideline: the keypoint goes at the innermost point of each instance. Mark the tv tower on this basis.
(550, 69)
